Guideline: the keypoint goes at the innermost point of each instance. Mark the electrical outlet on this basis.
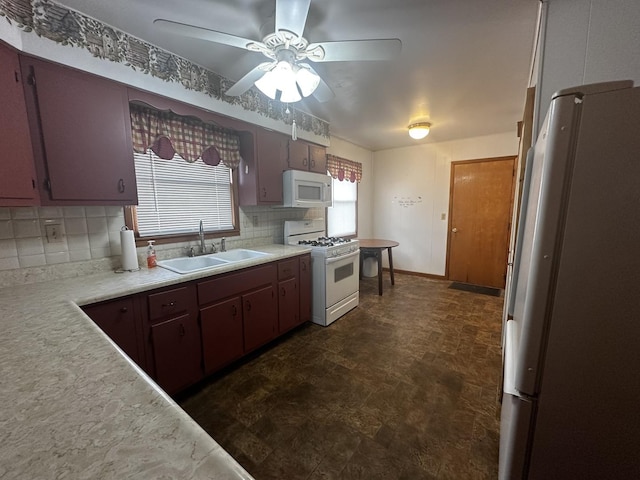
(53, 232)
(443, 216)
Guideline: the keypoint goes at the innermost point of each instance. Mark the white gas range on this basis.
(334, 268)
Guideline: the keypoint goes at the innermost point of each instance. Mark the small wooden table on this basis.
(374, 247)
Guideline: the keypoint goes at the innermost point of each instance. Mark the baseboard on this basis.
(416, 274)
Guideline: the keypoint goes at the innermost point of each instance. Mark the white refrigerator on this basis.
(571, 393)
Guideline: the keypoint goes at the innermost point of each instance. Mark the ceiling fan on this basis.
(287, 76)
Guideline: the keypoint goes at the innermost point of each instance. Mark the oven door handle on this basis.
(343, 257)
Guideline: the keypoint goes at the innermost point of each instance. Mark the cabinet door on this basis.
(85, 127)
(17, 173)
(271, 155)
(260, 314)
(177, 353)
(118, 320)
(304, 285)
(221, 334)
(288, 304)
(298, 158)
(317, 159)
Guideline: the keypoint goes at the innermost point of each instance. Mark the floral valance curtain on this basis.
(166, 134)
(344, 169)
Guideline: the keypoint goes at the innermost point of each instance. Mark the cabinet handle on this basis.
(304, 266)
(183, 331)
(264, 192)
(234, 310)
(170, 304)
(248, 306)
(313, 163)
(305, 162)
(124, 310)
(283, 292)
(121, 185)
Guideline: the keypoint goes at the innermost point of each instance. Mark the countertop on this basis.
(74, 406)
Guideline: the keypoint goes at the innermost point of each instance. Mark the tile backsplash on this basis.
(76, 233)
(35, 241)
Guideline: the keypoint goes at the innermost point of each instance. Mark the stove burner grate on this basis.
(324, 241)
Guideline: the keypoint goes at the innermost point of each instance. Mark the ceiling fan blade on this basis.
(323, 92)
(246, 82)
(291, 15)
(356, 50)
(203, 33)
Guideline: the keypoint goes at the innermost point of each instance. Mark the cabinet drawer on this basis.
(287, 269)
(168, 303)
(233, 283)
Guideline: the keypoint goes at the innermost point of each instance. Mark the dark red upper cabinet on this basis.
(261, 172)
(305, 156)
(17, 173)
(81, 132)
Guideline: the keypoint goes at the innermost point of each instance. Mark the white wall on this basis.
(587, 41)
(411, 188)
(350, 151)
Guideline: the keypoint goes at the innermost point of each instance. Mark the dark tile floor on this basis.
(403, 387)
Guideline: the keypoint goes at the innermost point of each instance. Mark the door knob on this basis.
(454, 230)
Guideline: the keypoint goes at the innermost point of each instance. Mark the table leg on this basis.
(391, 266)
(379, 257)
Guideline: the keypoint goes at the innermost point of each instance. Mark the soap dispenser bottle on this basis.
(151, 255)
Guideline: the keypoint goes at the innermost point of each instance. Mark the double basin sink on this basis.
(212, 260)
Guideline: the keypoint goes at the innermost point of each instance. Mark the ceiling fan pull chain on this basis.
(294, 129)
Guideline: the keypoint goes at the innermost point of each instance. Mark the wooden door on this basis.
(271, 152)
(259, 315)
(480, 205)
(222, 341)
(177, 352)
(305, 288)
(288, 304)
(86, 134)
(17, 172)
(298, 156)
(317, 159)
(118, 320)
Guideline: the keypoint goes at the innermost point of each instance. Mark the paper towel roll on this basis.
(129, 253)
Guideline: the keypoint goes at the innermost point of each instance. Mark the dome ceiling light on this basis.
(419, 130)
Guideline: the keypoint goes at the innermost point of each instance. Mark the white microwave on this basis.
(305, 189)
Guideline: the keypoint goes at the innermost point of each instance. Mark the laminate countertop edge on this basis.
(75, 406)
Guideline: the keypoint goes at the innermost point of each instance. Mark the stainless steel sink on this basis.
(213, 260)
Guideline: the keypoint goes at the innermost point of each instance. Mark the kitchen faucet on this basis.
(201, 235)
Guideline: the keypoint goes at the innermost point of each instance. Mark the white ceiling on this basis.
(464, 65)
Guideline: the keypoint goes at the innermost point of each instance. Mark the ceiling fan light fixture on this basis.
(307, 81)
(267, 85)
(282, 78)
(293, 81)
(419, 130)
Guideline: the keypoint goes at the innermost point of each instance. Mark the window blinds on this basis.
(173, 196)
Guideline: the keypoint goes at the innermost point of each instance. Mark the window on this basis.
(174, 195)
(342, 216)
